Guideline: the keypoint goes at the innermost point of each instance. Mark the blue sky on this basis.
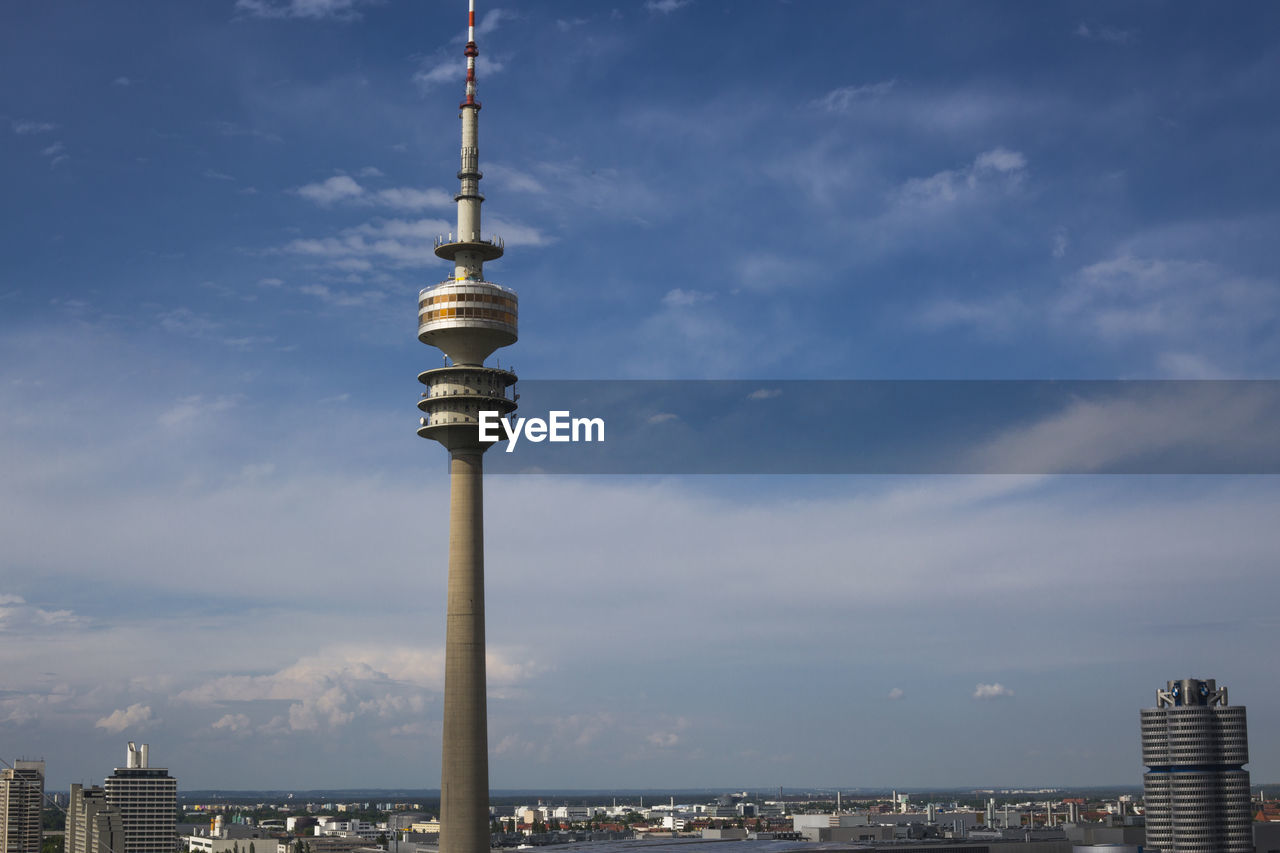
(221, 535)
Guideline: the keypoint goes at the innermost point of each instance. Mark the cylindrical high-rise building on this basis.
(468, 318)
(1196, 789)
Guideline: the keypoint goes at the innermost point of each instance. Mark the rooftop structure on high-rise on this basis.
(468, 318)
(147, 800)
(21, 805)
(1196, 789)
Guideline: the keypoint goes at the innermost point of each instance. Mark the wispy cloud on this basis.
(492, 19)
(1060, 240)
(341, 298)
(998, 168)
(1128, 297)
(56, 153)
(345, 189)
(232, 723)
(1114, 35)
(513, 179)
(26, 127)
(335, 189)
(230, 128)
(679, 297)
(842, 99)
(342, 10)
(665, 7)
(16, 615)
(329, 691)
(447, 67)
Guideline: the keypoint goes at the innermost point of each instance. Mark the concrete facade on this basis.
(147, 800)
(93, 826)
(467, 318)
(21, 803)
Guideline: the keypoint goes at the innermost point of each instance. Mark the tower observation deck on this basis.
(468, 318)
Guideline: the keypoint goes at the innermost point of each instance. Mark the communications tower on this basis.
(467, 318)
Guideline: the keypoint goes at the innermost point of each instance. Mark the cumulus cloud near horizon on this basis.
(991, 691)
(125, 718)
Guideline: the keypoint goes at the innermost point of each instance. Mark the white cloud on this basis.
(997, 169)
(991, 691)
(230, 128)
(122, 81)
(332, 689)
(341, 299)
(841, 99)
(337, 9)
(998, 315)
(215, 175)
(408, 198)
(193, 408)
(1000, 160)
(764, 394)
(335, 189)
(19, 617)
(132, 717)
(232, 722)
(1217, 422)
(1061, 240)
(679, 298)
(396, 241)
(1174, 302)
(449, 67)
(518, 234)
(344, 188)
(491, 20)
(24, 127)
(1114, 35)
(662, 418)
(665, 7)
(513, 179)
(896, 693)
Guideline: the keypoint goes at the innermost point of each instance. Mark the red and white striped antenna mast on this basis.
(471, 52)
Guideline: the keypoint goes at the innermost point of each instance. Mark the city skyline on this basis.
(216, 515)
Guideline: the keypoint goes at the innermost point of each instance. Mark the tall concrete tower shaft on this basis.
(467, 318)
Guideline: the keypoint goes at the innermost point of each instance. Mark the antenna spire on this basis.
(471, 52)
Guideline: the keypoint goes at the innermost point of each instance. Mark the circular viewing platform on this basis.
(454, 399)
(486, 250)
(468, 319)
(468, 304)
